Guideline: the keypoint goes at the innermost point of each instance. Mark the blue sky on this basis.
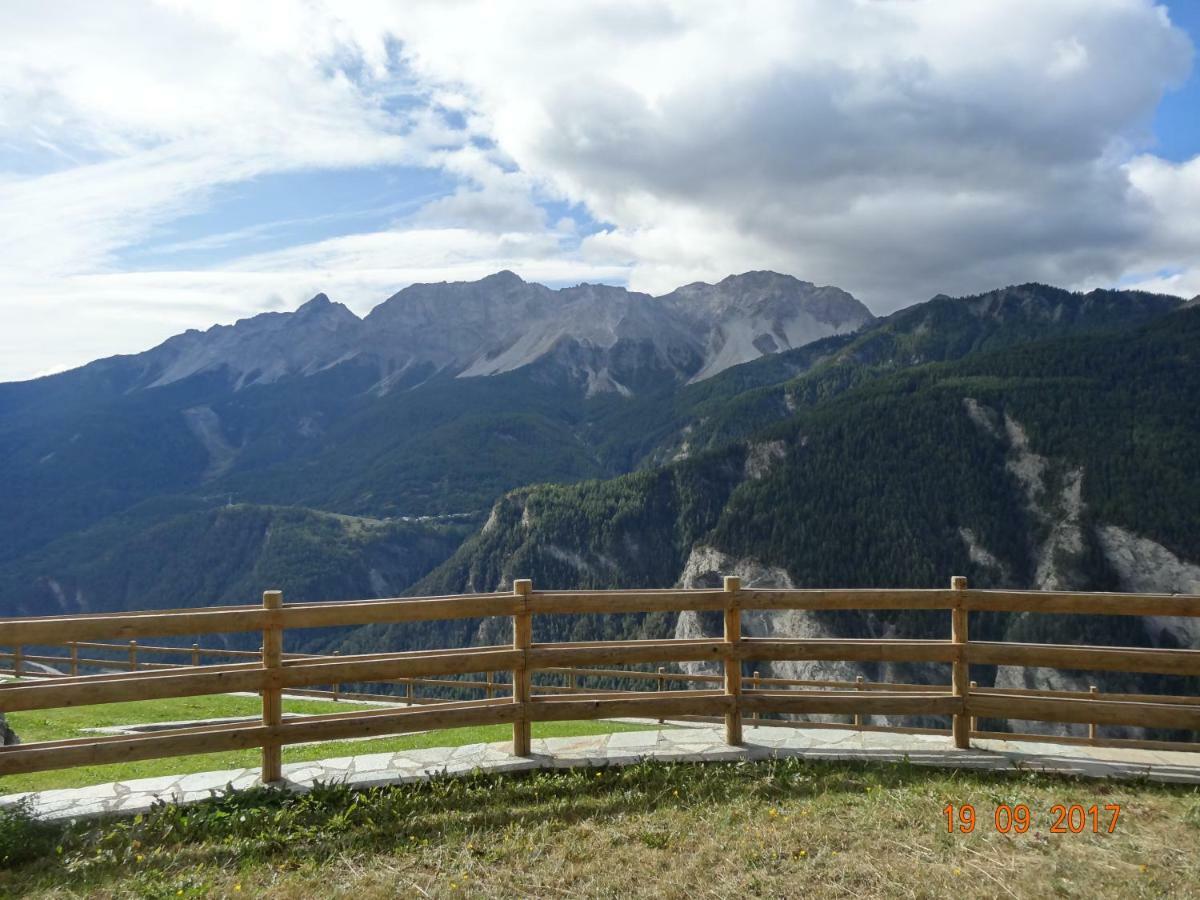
(166, 165)
(277, 210)
(1177, 120)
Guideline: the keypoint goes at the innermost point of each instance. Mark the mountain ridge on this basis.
(86, 445)
(1066, 464)
(501, 323)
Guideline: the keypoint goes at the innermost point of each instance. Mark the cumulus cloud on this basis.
(1167, 260)
(896, 149)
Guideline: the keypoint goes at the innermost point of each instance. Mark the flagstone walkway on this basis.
(695, 744)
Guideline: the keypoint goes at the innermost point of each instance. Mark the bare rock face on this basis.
(762, 457)
(747, 316)
(1041, 679)
(261, 349)
(1053, 493)
(1145, 566)
(606, 337)
(705, 568)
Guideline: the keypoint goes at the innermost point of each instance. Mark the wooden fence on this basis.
(729, 696)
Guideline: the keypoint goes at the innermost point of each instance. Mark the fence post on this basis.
(571, 683)
(195, 654)
(961, 671)
(522, 638)
(18, 652)
(974, 720)
(756, 685)
(133, 656)
(1092, 730)
(858, 686)
(661, 687)
(74, 657)
(272, 695)
(733, 660)
(337, 687)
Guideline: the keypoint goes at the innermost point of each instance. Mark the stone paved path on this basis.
(680, 744)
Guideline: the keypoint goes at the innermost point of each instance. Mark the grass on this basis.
(780, 828)
(55, 724)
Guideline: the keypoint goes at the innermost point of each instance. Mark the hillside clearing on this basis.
(777, 828)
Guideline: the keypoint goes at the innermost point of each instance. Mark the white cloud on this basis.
(1171, 192)
(896, 149)
(82, 317)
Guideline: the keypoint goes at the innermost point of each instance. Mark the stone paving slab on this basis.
(692, 744)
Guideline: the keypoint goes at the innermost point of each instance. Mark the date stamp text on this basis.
(1062, 818)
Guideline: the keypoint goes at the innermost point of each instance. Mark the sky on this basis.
(175, 164)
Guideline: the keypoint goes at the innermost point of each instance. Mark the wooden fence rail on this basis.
(731, 696)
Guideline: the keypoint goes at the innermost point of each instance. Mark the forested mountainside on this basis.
(742, 400)
(176, 552)
(1019, 437)
(1069, 463)
(442, 398)
(871, 486)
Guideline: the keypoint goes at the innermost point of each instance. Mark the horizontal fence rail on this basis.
(542, 682)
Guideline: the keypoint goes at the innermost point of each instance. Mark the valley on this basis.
(464, 435)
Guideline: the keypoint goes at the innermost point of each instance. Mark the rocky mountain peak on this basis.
(600, 332)
(757, 313)
(321, 309)
(505, 277)
(261, 348)
(604, 336)
(763, 280)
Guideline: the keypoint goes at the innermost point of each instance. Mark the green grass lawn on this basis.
(56, 724)
(785, 828)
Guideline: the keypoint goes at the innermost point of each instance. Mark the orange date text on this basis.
(1063, 818)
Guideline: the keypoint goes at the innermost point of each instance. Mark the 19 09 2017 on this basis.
(1063, 818)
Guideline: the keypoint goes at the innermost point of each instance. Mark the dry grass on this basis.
(780, 829)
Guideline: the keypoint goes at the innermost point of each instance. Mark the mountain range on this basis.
(502, 323)
(384, 415)
(462, 435)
